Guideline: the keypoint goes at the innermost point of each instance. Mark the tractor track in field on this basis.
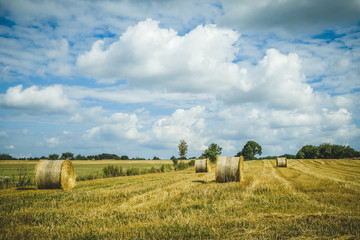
(289, 186)
(321, 173)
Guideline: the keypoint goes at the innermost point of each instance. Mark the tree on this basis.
(250, 149)
(183, 147)
(324, 150)
(212, 152)
(5, 156)
(308, 152)
(54, 156)
(175, 160)
(67, 155)
(80, 157)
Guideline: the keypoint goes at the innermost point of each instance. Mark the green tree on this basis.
(5, 156)
(80, 157)
(308, 152)
(324, 150)
(67, 155)
(212, 152)
(183, 147)
(54, 156)
(250, 149)
(175, 160)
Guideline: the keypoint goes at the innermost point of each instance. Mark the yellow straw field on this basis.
(308, 199)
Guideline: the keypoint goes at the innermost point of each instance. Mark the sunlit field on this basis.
(311, 199)
(82, 167)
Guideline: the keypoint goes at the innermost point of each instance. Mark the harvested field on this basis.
(308, 199)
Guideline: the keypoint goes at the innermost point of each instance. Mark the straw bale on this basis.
(281, 162)
(55, 174)
(229, 169)
(202, 165)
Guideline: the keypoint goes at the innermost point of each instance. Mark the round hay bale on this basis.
(55, 174)
(202, 165)
(229, 169)
(281, 162)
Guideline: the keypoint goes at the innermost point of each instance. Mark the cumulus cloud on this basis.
(152, 56)
(277, 81)
(50, 99)
(119, 126)
(52, 141)
(184, 124)
(10, 147)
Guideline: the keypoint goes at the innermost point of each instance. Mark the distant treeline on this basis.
(69, 155)
(323, 151)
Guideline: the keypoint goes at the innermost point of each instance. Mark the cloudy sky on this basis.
(135, 77)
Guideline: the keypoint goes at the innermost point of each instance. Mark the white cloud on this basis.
(277, 81)
(3, 134)
(52, 141)
(152, 56)
(34, 99)
(10, 147)
(184, 124)
(119, 126)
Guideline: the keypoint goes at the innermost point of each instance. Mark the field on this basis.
(82, 168)
(311, 199)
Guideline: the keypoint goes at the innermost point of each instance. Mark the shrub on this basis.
(132, 171)
(5, 182)
(181, 166)
(113, 171)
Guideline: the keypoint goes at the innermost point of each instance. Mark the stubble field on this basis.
(315, 199)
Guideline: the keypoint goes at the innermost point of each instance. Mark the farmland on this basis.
(309, 199)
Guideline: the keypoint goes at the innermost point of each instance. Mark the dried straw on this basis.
(202, 165)
(229, 169)
(281, 162)
(56, 174)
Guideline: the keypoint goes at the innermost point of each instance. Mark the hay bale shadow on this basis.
(203, 182)
(26, 188)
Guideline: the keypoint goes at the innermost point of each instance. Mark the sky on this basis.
(135, 77)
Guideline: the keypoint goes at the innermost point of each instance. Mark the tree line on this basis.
(250, 149)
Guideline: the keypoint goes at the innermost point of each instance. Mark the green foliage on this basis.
(308, 152)
(326, 151)
(132, 171)
(5, 182)
(124, 157)
(4, 156)
(80, 157)
(212, 152)
(183, 147)
(67, 155)
(156, 158)
(54, 156)
(113, 171)
(249, 151)
(175, 160)
(182, 165)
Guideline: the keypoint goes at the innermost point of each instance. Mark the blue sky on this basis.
(135, 77)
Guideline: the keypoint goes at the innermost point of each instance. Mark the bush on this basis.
(5, 182)
(113, 171)
(191, 163)
(181, 166)
(132, 171)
